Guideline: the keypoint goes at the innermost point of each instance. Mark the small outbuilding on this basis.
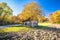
(30, 23)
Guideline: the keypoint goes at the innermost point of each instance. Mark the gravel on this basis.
(36, 34)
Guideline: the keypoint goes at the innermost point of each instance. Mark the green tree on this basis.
(4, 10)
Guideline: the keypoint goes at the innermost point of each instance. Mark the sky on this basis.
(47, 6)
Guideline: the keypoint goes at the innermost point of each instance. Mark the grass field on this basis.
(20, 28)
(44, 24)
(14, 29)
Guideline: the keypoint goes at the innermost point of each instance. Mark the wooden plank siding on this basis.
(31, 23)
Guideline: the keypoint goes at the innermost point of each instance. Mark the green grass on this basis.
(15, 29)
(22, 28)
(43, 25)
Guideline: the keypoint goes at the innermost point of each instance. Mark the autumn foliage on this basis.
(55, 17)
(30, 12)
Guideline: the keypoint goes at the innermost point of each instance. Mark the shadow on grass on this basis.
(18, 26)
(48, 28)
(41, 27)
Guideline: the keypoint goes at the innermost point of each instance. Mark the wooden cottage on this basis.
(30, 23)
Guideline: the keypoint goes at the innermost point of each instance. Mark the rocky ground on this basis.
(36, 34)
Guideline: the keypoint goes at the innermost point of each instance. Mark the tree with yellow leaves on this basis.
(55, 17)
(31, 11)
